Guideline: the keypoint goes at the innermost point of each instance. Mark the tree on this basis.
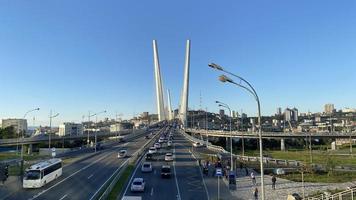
(8, 132)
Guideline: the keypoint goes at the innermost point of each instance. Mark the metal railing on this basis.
(349, 194)
(266, 160)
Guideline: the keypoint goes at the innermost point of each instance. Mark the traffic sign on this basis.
(53, 152)
(218, 172)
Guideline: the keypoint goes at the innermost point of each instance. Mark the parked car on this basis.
(122, 154)
(138, 185)
(168, 157)
(152, 150)
(169, 143)
(166, 171)
(146, 167)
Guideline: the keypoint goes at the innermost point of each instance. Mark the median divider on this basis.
(108, 186)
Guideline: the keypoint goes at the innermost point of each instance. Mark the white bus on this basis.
(42, 173)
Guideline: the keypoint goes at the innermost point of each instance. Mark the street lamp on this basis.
(24, 117)
(221, 104)
(251, 90)
(18, 130)
(96, 125)
(50, 127)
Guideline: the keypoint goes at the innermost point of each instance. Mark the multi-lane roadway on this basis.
(84, 178)
(186, 181)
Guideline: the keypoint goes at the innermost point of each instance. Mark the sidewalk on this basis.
(212, 186)
(283, 187)
(11, 185)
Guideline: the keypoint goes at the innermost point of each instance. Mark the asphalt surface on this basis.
(186, 181)
(82, 179)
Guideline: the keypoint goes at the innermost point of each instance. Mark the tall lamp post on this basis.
(24, 117)
(252, 91)
(96, 125)
(51, 116)
(89, 116)
(221, 104)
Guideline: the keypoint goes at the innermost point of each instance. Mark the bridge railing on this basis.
(44, 138)
(266, 160)
(349, 194)
(272, 134)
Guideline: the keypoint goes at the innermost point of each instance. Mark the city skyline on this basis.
(73, 58)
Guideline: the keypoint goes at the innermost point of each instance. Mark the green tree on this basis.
(8, 132)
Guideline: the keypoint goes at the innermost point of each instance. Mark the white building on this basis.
(329, 108)
(120, 127)
(20, 125)
(70, 129)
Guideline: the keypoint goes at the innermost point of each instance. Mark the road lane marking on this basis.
(175, 173)
(152, 191)
(44, 191)
(201, 173)
(117, 171)
(63, 197)
(139, 164)
(90, 176)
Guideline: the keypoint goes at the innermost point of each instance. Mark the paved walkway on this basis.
(283, 187)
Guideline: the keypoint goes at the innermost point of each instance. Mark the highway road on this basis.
(186, 181)
(82, 179)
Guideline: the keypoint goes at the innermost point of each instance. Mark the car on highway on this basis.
(149, 156)
(146, 167)
(168, 157)
(166, 171)
(122, 154)
(152, 150)
(157, 145)
(169, 143)
(197, 144)
(138, 185)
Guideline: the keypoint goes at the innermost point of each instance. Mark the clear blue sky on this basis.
(75, 56)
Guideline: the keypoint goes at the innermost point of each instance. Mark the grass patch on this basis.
(335, 177)
(26, 157)
(119, 186)
(319, 157)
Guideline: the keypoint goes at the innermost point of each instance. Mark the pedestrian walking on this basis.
(274, 179)
(253, 178)
(246, 171)
(255, 194)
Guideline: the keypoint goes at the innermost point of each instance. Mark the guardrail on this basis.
(209, 146)
(111, 182)
(349, 194)
(266, 160)
(44, 138)
(220, 133)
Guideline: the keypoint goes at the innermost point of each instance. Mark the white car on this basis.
(169, 143)
(197, 144)
(157, 145)
(122, 154)
(152, 150)
(168, 157)
(138, 185)
(146, 167)
(161, 140)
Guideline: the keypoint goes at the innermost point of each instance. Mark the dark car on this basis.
(149, 156)
(166, 171)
